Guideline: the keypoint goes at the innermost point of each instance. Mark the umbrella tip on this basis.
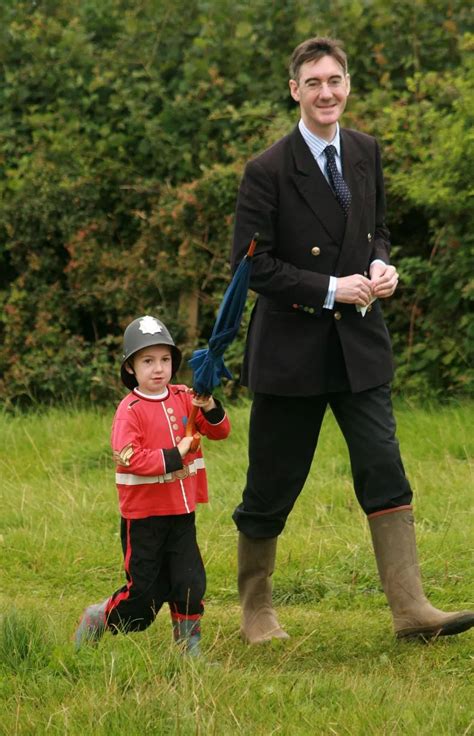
(252, 245)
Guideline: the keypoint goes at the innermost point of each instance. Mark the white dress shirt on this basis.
(317, 145)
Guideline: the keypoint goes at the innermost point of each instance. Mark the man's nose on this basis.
(325, 90)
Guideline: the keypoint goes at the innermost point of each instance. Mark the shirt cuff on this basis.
(331, 295)
(216, 415)
(173, 460)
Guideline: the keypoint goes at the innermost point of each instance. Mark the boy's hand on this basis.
(206, 403)
(184, 445)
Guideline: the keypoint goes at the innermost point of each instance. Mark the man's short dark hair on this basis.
(314, 49)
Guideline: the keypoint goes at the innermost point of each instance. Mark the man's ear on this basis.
(129, 368)
(348, 83)
(294, 90)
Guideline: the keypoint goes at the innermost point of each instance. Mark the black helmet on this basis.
(141, 333)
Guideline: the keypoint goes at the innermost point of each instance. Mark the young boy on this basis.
(160, 479)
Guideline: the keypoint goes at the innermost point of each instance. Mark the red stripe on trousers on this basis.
(113, 603)
(389, 511)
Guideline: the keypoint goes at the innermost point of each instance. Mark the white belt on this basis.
(129, 479)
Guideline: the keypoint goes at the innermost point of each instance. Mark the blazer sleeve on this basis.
(257, 212)
(381, 247)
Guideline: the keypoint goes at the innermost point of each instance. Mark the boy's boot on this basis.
(187, 633)
(393, 536)
(256, 562)
(92, 624)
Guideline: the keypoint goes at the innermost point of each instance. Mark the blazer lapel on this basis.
(314, 188)
(354, 172)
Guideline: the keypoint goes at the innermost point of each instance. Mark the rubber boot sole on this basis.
(276, 635)
(450, 628)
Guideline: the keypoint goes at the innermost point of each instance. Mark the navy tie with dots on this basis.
(340, 188)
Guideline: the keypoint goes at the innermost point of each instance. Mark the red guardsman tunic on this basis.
(152, 478)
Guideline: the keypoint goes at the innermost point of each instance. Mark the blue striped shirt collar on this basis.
(316, 144)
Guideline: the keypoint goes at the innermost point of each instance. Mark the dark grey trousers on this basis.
(283, 436)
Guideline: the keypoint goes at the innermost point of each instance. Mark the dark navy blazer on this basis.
(293, 344)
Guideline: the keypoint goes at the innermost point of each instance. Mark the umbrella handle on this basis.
(191, 430)
(195, 443)
(191, 423)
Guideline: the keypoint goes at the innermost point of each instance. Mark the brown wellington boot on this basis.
(256, 560)
(393, 537)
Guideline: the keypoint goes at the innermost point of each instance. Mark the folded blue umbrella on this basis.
(208, 363)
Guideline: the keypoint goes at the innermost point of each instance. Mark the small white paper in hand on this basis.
(363, 310)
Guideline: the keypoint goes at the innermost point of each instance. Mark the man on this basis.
(317, 338)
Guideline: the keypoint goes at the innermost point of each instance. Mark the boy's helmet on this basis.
(142, 333)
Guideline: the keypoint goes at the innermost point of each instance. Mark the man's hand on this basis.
(384, 280)
(355, 289)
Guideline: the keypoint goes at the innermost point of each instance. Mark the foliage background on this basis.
(124, 128)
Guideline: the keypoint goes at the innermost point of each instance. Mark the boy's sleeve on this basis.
(130, 451)
(173, 460)
(213, 424)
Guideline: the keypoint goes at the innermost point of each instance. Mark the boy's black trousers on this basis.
(162, 565)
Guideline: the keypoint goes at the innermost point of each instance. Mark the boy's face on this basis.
(152, 368)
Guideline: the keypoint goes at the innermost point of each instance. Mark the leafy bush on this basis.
(123, 135)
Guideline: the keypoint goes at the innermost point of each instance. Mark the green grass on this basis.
(342, 672)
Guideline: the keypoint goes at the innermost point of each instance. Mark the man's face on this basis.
(322, 90)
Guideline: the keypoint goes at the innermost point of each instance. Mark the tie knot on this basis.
(330, 152)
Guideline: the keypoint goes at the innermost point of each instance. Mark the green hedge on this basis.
(124, 128)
